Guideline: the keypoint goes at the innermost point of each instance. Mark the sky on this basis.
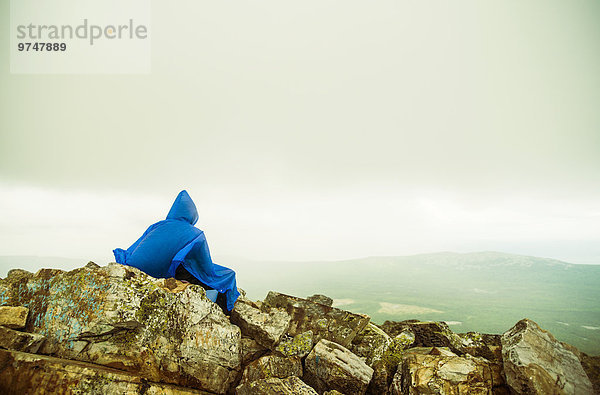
(319, 130)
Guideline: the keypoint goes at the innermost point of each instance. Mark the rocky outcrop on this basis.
(536, 363)
(119, 317)
(114, 329)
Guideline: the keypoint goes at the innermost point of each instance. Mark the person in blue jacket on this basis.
(175, 248)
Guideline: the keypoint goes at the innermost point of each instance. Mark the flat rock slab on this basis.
(14, 317)
(24, 373)
(274, 386)
(324, 321)
(330, 366)
(536, 363)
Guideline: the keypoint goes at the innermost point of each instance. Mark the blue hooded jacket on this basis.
(175, 241)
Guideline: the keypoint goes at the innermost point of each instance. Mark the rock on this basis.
(251, 350)
(299, 345)
(272, 366)
(591, 365)
(20, 341)
(433, 370)
(536, 363)
(14, 317)
(330, 366)
(274, 386)
(385, 367)
(264, 327)
(489, 347)
(332, 392)
(325, 322)
(322, 299)
(426, 333)
(119, 317)
(22, 373)
(370, 344)
(92, 265)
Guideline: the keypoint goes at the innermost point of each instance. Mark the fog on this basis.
(319, 130)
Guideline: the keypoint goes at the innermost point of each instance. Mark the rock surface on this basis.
(14, 317)
(11, 339)
(265, 327)
(536, 363)
(272, 366)
(119, 317)
(437, 371)
(325, 322)
(318, 298)
(22, 372)
(330, 366)
(298, 346)
(275, 386)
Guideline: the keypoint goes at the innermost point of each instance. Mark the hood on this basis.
(184, 209)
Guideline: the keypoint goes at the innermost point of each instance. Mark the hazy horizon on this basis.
(319, 131)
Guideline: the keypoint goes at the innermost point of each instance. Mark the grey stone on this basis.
(324, 321)
(322, 299)
(264, 327)
(536, 363)
(272, 366)
(23, 373)
(275, 386)
(20, 341)
(330, 366)
(433, 370)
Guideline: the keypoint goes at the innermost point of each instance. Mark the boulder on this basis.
(20, 341)
(325, 322)
(251, 350)
(119, 317)
(435, 370)
(298, 346)
(330, 366)
(24, 373)
(426, 333)
(14, 317)
(370, 344)
(385, 366)
(275, 386)
(489, 347)
(272, 366)
(536, 363)
(266, 327)
(318, 298)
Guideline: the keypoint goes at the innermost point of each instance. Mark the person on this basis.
(174, 247)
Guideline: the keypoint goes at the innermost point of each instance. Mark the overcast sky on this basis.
(319, 130)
